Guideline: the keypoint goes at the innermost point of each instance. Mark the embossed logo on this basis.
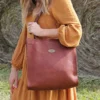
(51, 50)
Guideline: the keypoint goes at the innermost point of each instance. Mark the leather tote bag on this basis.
(50, 65)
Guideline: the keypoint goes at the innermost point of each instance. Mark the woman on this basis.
(58, 20)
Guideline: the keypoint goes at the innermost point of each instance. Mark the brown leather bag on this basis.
(50, 65)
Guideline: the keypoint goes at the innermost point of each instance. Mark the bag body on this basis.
(50, 65)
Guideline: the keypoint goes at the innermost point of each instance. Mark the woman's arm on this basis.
(35, 28)
(17, 59)
(52, 33)
(18, 54)
(70, 29)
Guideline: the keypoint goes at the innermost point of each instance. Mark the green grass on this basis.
(4, 85)
(88, 89)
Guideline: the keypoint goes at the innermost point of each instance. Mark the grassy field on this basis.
(88, 89)
(4, 86)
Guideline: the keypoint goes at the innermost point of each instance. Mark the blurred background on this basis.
(88, 51)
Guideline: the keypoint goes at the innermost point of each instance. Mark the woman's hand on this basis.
(35, 29)
(13, 79)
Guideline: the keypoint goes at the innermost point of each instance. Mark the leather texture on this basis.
(50, 65)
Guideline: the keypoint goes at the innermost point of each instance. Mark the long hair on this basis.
(34, 7)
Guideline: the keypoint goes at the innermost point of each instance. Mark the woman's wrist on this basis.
(50, 33)
(13, 68)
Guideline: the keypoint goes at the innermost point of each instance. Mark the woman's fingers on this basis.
(13, 84)
(13, 79)
(11, 89)
(29, 23)
(30, 27)
(33, 24)
(34, 27)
